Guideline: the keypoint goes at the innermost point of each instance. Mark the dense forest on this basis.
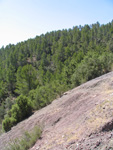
(36, 71)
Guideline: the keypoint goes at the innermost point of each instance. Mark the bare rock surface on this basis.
(82, 119)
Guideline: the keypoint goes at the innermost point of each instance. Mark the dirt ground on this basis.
(82, 119)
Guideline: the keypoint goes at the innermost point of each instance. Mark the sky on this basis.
(24, 19)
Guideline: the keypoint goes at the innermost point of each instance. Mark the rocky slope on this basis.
(82, 119)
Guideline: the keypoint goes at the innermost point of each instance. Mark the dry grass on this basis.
(26, 141)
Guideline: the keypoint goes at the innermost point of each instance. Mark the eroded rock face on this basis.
(108, 126)
(81, 119)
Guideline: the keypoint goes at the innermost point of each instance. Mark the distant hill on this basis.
(81, 119)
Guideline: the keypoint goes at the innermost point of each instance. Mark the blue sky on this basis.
(24, 19)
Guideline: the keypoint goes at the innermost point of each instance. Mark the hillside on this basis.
(39, 70)
(35, 72)
(81, 118)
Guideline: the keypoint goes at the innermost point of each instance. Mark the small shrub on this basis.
(16, 113)
(8, 123)
(26, 141)
(19, 111)
(25, 106)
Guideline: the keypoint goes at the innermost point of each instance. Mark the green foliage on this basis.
(26, 79)
(91, 67)
(44, 95)
(25, 106)
(5, 107)
(46, 66)
(3, 91)
(8, 103)
(7, 123)
(2, 112)
(26, 141)
(16, 113)
(19, 111)
(106, 61)
(10, 78)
